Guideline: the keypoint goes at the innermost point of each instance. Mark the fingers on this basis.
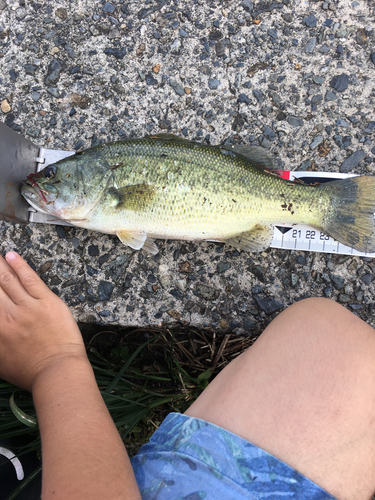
(10, 286)
(31, 283)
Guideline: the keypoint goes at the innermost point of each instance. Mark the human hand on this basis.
(37, 328)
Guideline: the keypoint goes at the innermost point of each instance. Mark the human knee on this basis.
(316, 305)
(316, 319)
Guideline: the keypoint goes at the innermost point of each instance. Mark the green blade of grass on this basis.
(21, 415)
(128, 362)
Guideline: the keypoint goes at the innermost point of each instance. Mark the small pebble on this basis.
(78, 145)
(330, 96)
(109, 8)
(316, 142)
(310, 21)
(60, 231)
(367, 278)
(310, 46)
(53, 72)
(223, 266)
(33, 132)
(318, 79)
(5, 106)
(30, 69)
(269, 133)
(269, 305)
(342, 123)
(176, 45)
(324, 49)
(338, 281)
(258, 96)
(344, 298)
(352, 161)
(272, 33)
(176, 87)
(317, 99)
(105, 290)
(53, 91)
(340, 82)
(294, 121)
(61, 13)
(213, 84)
(242, 98)
(327, 291)
(117, 53)
(150, 80)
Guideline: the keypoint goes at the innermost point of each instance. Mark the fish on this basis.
(166, 187)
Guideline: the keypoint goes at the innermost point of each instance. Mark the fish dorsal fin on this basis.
(133, 197)
(256, 240)
(257, 155)
(162, 135)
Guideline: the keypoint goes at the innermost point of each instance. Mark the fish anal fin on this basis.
(256, 240)
(133, 197)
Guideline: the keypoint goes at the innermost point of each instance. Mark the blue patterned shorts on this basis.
(191, 459)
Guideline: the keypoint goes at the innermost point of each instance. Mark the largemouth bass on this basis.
(171, 188)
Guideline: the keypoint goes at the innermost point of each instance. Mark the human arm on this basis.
(41, 349)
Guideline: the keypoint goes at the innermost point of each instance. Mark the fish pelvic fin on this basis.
(133, 197)
(256, 240)
(350, 218)
(150, 246)
(137, 241)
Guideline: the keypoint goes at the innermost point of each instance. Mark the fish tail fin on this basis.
(350, 219)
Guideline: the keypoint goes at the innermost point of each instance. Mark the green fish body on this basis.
(170, 188)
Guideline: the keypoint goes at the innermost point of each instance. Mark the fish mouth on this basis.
(32, 180)
(34, 195)
(37, 184)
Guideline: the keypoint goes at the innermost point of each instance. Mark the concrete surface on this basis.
(294, 77)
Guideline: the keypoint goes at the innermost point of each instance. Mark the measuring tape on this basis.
(301, 237)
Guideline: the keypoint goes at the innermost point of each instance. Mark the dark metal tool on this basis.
(19, 157)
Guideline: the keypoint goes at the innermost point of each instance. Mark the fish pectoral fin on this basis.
(150, 246)
(133, 197)
(256, 240)
(132, 239)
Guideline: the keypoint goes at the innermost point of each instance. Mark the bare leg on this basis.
(305, 392)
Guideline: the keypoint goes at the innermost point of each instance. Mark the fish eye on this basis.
(49, 172)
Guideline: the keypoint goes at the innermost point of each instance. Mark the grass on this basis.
(142, 374)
